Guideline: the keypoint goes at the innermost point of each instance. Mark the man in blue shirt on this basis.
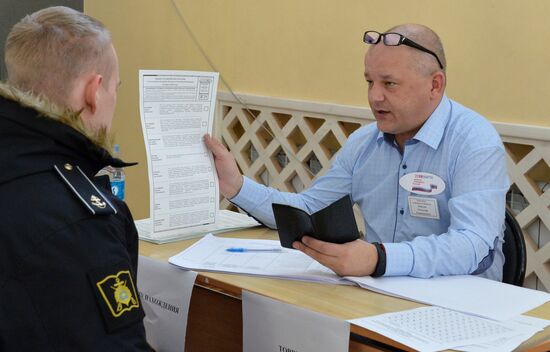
(430, 176)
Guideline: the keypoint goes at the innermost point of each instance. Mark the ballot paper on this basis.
(226, 220)
(435, 329)
(177, 110)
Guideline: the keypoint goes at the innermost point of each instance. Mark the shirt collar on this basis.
(432, 131)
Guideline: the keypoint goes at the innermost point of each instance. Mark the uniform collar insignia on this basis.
(97, 202)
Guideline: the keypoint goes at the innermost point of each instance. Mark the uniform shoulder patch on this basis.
(85, 190)
(116, 295)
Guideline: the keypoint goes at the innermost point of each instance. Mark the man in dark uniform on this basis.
(68, 247)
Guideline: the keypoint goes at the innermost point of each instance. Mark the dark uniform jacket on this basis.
(68, 248)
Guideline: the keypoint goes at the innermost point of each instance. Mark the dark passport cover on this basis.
(335, 223)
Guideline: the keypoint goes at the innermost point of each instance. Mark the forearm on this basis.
(436, 255)
(256, 200)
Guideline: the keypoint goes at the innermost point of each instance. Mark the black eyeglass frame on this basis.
(402, 41)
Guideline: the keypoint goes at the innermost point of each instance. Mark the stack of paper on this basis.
(476, 315)
(227, 221)
(464, 293)
(258, 257)
(435, 329)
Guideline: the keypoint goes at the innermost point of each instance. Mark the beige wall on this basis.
(498, 55)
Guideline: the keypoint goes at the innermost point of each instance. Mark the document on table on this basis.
(435, 328)
(523, 328)
(271, 325)
(464, 293)
(210, 254)
(226, 220)
(177, 109)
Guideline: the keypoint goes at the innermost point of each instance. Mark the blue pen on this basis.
(243, 250)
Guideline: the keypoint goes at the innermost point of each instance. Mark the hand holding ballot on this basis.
(229, 177)
(355, 258)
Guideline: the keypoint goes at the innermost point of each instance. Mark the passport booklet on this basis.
(334, 223)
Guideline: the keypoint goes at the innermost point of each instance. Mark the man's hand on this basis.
(356, 258)
(229, 175)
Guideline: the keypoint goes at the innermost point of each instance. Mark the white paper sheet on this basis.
(210, 254)
(435, 328)
(177, 109)
(270, 325)
(524, 328)
(225, 221)
(165, 293)
(464, 293)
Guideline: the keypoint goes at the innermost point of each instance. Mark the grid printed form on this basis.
(445, 326)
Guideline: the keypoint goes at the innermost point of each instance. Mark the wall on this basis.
(11, 11)
(499, 63)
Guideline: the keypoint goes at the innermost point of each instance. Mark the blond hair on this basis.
(48, 50)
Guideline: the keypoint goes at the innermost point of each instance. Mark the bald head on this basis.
(426, 37)
(406, 83)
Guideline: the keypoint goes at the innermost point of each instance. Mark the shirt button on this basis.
(404, 166)
(401, 211)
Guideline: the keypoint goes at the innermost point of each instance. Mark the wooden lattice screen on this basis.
(286, 144)
(528, 156)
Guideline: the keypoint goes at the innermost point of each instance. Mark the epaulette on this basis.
(85, 190)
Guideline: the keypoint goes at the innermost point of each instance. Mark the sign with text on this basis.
(273, 326)
(165, 293)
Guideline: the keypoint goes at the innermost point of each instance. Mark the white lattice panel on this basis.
(286, 144)
(281, 146)
(528, 157)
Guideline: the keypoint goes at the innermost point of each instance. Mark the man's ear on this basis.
(90, 92)
(438, 84)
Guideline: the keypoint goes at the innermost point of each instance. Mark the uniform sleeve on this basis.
(131, 235)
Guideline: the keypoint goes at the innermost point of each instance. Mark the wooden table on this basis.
(215, 315)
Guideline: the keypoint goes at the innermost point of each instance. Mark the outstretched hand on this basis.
(356, 258)
(229, 176)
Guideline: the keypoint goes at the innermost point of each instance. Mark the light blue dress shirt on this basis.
(456, 144)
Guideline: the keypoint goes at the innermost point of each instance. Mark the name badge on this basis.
(422, 183)
(423, 207)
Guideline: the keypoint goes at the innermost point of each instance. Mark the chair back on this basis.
(515, 257)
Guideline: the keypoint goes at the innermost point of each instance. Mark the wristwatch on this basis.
(380, 268)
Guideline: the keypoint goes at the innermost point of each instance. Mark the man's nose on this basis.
(375, 93)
